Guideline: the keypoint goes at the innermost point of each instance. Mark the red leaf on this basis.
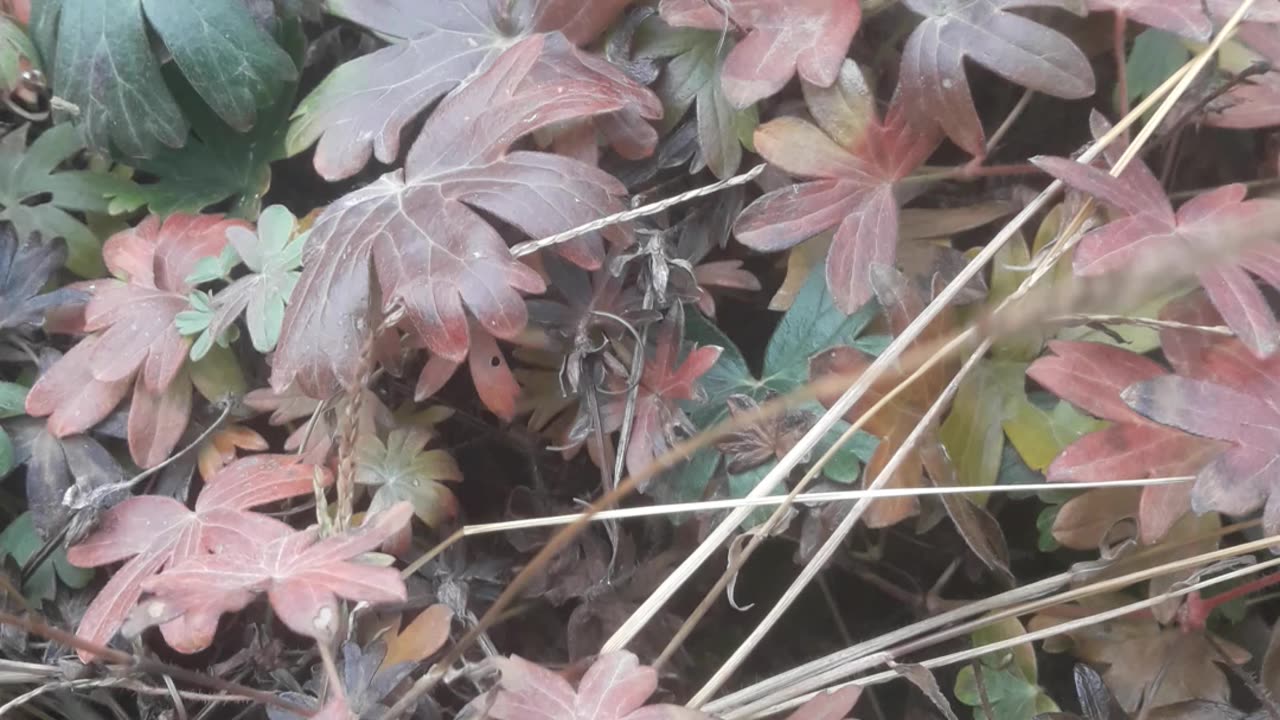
(153, 532)
(1237, 402)
(810, 37)
(430, 252)
(134, 336)
(934, 86)
(302, 577)
(1093, 377)
(853, 189)
(1152, 226)
(614, 688)
(364, 106)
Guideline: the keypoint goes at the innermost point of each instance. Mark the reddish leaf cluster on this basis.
(1092, 376)
(784, 37)
(430, 252)
(614, 688)
(134, 342)
(853, 162)
(1148, 225)
(363, 108)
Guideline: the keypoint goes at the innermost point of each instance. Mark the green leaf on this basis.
(7, 460)
(218, 161)
(812, 324)
(13, 399)
(972, 432)
(199, 321)
(217, 375)
(1008, 676)
(234, 64)
(403, 470)
(692, 76)
(210, 269)
(729, 376)
(1046, 542)
(36, 197)
(20, 542)
(104, 64)
(742, 484)
(1155, 56)
(1011, 696)
(845, 466)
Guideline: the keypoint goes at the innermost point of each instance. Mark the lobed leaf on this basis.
(416, 230)
(934, 86)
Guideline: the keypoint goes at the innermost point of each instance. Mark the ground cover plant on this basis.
(640, 359)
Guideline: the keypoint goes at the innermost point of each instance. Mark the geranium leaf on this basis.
(613, 688)
(302, 576)
(809, 37)
(401, 469)
(362, 108)
(852, 189)
(133, 321)
(433, 254)
(1094, 377)
(1152, 226)
(934, 87)
(151, 532)
(1234, 404)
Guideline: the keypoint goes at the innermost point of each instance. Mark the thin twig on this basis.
(1024, 638)
(106, 654)
(1153, 323)
(532, 246)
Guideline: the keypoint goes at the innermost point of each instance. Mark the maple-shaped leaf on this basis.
(1093, 376)
(362, 107)
(25, 268)
(402, 470)
(1235, 400)
(273, 256)
(430, 251)
(903, 302)
(151, 532)
(852, 162)
(784, 37)
(1135, 649)
(667, 381)
(36, 197)
(134, 335)
(934, 85)
(1149, 226)
(302, 575)
(613, 688)
(104, 65)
